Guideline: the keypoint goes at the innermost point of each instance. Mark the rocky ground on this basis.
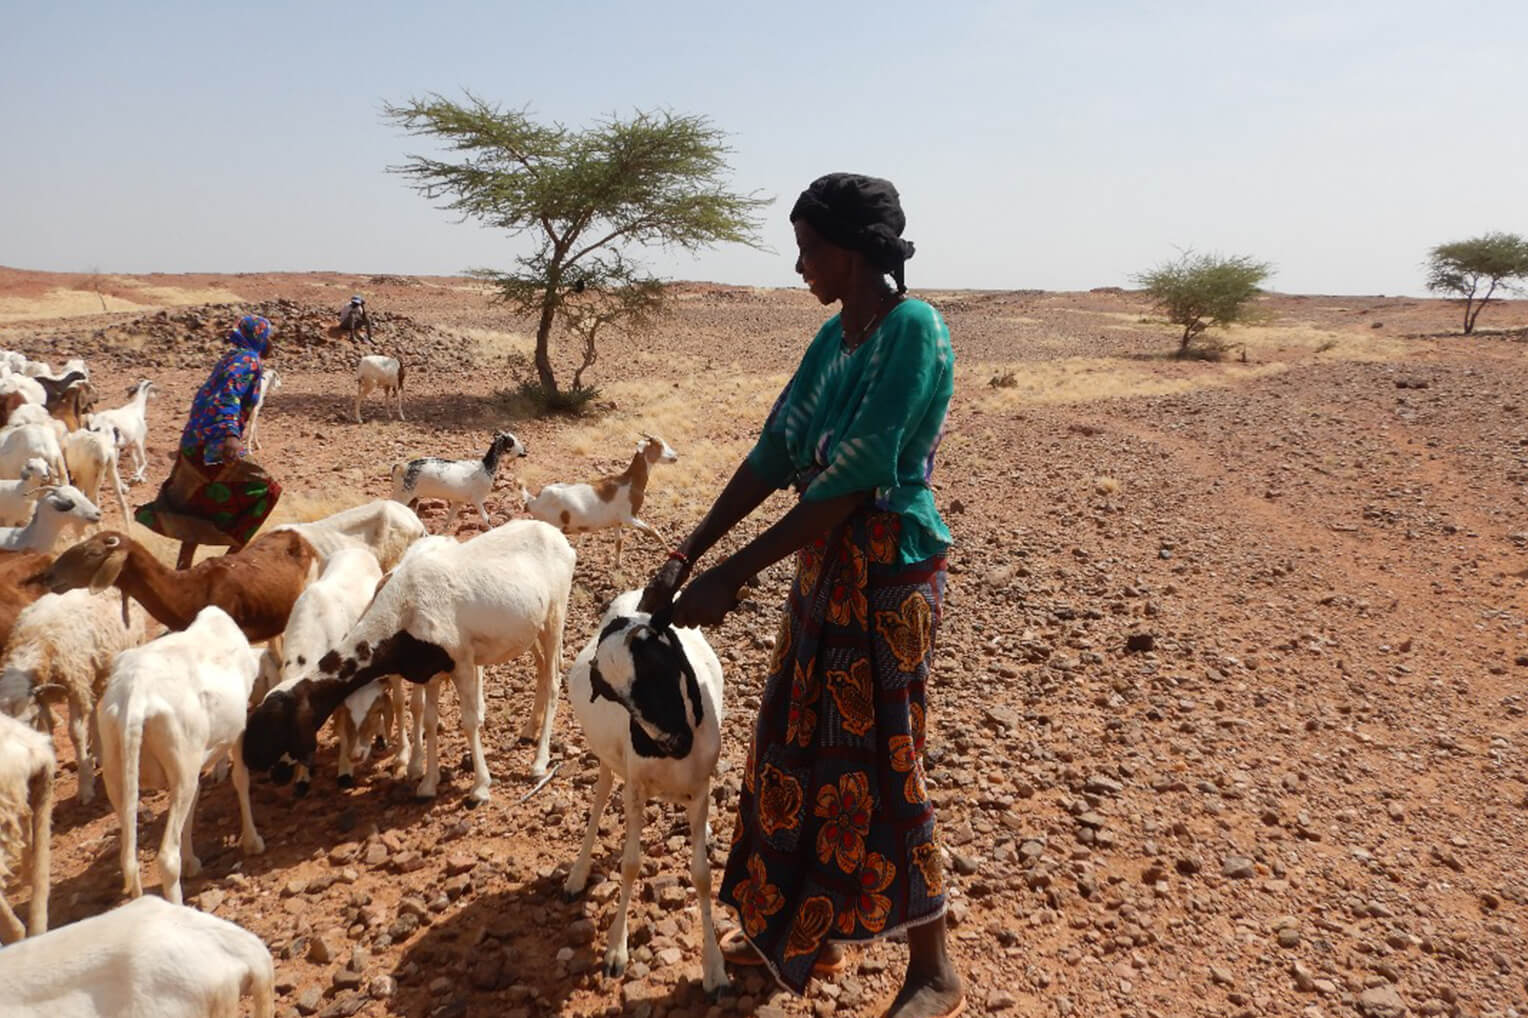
(1229, 716)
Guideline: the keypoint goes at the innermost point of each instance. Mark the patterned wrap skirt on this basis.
(835, 836)
(218, 503)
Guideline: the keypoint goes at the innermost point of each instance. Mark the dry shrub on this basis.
(1105, 485)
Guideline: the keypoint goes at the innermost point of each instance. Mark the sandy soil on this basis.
(1305, 794)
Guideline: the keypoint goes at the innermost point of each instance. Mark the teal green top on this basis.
(868, 419)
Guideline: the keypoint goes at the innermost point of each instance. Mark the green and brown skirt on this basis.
(218, 503)
(835, 837)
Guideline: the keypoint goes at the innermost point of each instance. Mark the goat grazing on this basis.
(132, 423)
(147, 957)
(270, 382)
(377, 371)
(26, 819)
(456, 481)
(612, 501)
(170, 707)
(449, 608)
(256, 586)
(61, 647)
(18, 498)
(649, 700)
(384, 526)
(58, 508)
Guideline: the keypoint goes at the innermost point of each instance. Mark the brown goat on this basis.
(256, 586)
(21, 583)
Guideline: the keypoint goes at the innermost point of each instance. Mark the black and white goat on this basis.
(649, 700)
(448, 609)
(457, 481)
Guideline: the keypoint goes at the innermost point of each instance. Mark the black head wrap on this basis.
(861, 214)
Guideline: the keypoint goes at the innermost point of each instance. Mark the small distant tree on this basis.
(1197, 291)
(1463, 267)
(588, 198)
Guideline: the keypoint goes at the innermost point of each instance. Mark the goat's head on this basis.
(656, 450)
(36, 472)
(95, 563)
(282, 732)
(506, 443)
(70, 503)
(645, 671)
(144, 386)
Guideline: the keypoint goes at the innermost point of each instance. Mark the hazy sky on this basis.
(1046, 145)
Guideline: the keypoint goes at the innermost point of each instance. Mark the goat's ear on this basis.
(107, 572)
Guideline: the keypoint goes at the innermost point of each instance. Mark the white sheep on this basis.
(270, 382)
(321, 616)
(448, 609)
(650, 703)
(612, 501)
(61, 648)
(24, 442)
(459, 482)
(147, 957)
(26, 820)
(92, 458)
(131, 422)
(59, 508)
(384, 526)
(170, 708)
(18, 498)
(376, 371)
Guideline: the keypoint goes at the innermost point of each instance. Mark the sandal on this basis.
(736, 950)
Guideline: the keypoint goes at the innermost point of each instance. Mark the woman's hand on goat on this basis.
(708, 599)
(660, 590)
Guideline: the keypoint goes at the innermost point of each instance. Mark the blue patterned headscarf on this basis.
(253, 333)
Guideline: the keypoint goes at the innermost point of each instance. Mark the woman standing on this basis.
(835, 838)
(214, 495)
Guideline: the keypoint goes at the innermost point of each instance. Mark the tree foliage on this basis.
(590, 198)
(1463, 267)
(1197, 291)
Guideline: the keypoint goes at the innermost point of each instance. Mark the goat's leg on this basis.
(548, 667)
(140, 460)
(121, 490)
(182, 781)
(249, 838)
(631, 858)
(456, 507)
(345, 731)
(431, 782)
(483, 513)
(11, 930)
(399, 392)
(79, 735)
(41, 796)
(578, 874)
(620, 537)
(469, 690)
(713, 969)
(122, 748)
(411, 757)
(360, 392)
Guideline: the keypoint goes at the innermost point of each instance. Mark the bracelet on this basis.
(681, 557)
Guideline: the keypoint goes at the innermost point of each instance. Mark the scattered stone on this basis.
(1238, 867)
(1140, 643)
(1381, 1002)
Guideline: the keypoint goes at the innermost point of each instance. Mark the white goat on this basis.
(270, 382)
(31, 389)
(92, 458)
(30, 413)
(321, 616)
(148, 957)
(384, 526)
(171, 707)
(612, 501)
(650, 703)
(25, 442)
(18, 498)
(59, 508)
(132, 423)
(449, 608)
(377, 371)
(26, 820)
(61, 648)
(457, 481)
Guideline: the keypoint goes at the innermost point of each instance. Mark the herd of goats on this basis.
(236, 663)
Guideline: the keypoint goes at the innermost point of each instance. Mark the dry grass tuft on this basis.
(1105, 485)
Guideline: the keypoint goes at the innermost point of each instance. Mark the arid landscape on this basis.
(1230, 711)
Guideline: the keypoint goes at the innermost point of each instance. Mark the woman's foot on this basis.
(929, 995)
(736, 950)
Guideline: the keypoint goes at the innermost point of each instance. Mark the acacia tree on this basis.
(1198, 291)
(1491, 260)
(589, 198)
